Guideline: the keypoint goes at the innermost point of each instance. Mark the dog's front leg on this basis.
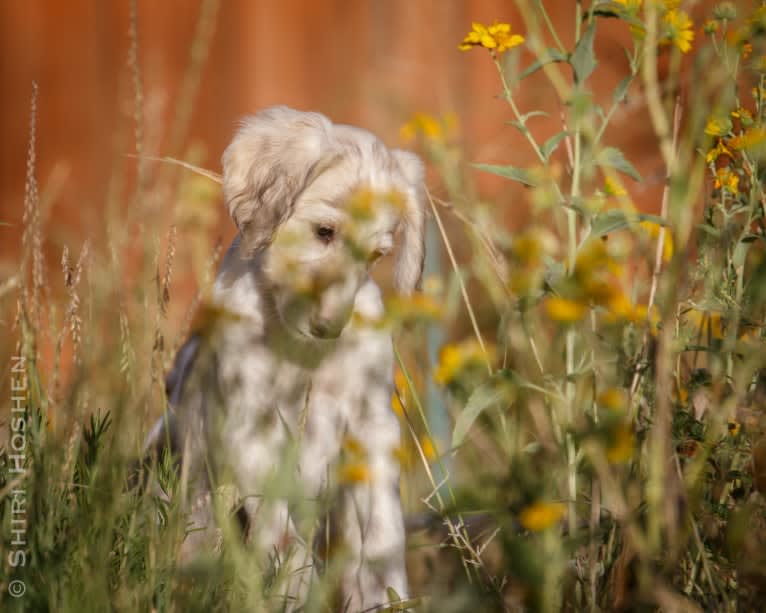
(372, 520)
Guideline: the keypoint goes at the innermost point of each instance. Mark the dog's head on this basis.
(319, 204)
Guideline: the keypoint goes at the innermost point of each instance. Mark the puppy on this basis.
(292, 382)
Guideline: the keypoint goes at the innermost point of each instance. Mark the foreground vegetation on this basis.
(608, 443)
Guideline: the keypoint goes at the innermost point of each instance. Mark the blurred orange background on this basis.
(205, 63)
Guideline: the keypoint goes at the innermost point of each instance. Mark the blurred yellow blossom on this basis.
(621, 443)
(631, 6)
(396, 404)
(564, 310)
(453, 359)
(354, 468)
(541, 515)
(727, 180)
(613, 398)
(416, 306)
(681, 395)
(718, 126)
(652, 229)
(364, 203)
(749, 138)
(733, 426)
(614, 187)
(429, 127)
(354, 472)
(421, 124)
(401, 387)
(717, 151)
(496, 37)
(678, 30)
(428, 447)
(594, 256)
(706, 322)
(527, 248)
(353, 446)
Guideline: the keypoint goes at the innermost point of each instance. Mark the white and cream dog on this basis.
(291, 370)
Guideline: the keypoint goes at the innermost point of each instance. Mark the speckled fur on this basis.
(258, 382)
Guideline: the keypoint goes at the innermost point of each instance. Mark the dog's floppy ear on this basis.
(273, 157)
(411, 253)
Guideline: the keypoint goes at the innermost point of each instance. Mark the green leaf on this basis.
(583, 58)
(614, 220)
(552, 143)
(481, 399)
(392, 595)
(509, 172)
(611, 157)
(550, 56)
(521, 124)
(622, 89)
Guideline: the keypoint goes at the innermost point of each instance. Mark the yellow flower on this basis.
(621, 308)
(527, 249)
(653, 230)
(733, 426)
(353, 447)
(727, 180)
(564, 310)
(717, 151)
(621, 444)
(631, 6)
(414, 307)
(496, 38)
(422, 124)
(400, 393)
(718, 126)
(706, 322)
(613, 398)
(540, 516)
(428, 447)
(614, 187)
(396, 405)
(678, 30)
(453, 359)
(744, 114)
(749, 138)
(681, 396)
(354, 472)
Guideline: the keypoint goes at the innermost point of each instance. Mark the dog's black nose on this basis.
(325, 329)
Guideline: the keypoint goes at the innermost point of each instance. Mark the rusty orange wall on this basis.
(370, 62)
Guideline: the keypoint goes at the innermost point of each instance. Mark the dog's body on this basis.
(291, 367)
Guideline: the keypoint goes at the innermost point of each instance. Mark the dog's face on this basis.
(319, 204)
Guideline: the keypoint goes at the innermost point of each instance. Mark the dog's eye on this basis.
(324, 233)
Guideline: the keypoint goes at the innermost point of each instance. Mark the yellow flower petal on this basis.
(613, 398)
(354, 472)
(427, 445)
(621, 445)
(540, 516)
(564, 310)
